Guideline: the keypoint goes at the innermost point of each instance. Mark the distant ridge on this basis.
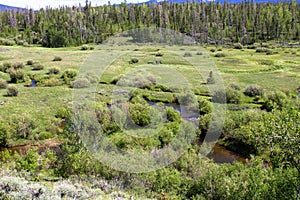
(5, 7)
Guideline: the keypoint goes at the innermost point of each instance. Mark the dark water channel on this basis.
(219, 153)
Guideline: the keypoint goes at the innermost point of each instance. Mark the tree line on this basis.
(214, 23)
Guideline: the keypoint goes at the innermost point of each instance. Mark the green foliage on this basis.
(69, 75)
(16, 76)
(140, 113)
(5, 134)
(275, 100)
(5, 67)
(12, 91)
(18, 65)
(54, 38)
(29, 162)
(52, 82)
(278, 136)
(233, 96)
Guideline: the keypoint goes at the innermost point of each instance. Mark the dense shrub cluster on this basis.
(254, 90)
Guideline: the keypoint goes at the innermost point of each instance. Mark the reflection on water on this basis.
(221, 155)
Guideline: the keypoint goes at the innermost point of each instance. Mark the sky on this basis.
(37, 4)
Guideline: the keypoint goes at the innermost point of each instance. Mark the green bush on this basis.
(159, 54)
(187, 54)
(233, 96)
(251, 47)
(54, 70)
(18, 65)
(212, 50)
(262, 50)
(7, 42)
(92, 48)
(3, 84)
(69, 75)
(219, 55)
(37, 67)
(274, 100)
(29, 62)
(5, 67)
(80, 83)
(52, 82)
(238, 46)
(84, 48)
(16, 76)
(57, 58)
(134, 60)
(199, 53)
(234, 86)
(12, 91)
(253, 90)
(5, 134)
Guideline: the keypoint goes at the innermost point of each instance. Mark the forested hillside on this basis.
(213, 23)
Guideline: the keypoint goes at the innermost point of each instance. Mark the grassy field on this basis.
(279, 71)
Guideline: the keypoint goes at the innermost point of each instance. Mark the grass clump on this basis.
(187, 54)
(18, 65)
(5, 67)
(12, 91)
(133, 61)
(16, 76)
(80, 83)
(37, 67)
(54, 70)
(52, 82)
(220, 54)
(84, 48)
(3, 84)
(29, 62)
(57, 58)
(159, 54)
(238, 46)
(199, 53)
(69, 75)
(262, 50)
